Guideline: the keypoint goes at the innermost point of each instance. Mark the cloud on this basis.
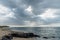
(5, 13)
(29, 12)
(49, 14)
(29, 9)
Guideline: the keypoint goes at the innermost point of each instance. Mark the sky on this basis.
(31, 13)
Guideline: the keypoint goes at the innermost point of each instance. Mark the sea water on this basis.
(52, 33)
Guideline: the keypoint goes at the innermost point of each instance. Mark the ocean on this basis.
(46, 33)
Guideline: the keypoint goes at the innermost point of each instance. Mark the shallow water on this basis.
(52, 33)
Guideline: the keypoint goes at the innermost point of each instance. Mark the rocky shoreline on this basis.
(7, 32)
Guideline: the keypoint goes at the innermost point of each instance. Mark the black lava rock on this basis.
(7, 37)
(24, 35)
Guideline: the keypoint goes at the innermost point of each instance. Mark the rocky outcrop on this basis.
(24, 35)
(7, 37)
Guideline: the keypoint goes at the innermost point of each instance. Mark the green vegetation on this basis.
(3, 26)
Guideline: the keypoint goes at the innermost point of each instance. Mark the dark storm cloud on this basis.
(54, 4)
(8, 3)
(38, 6)
(32, 2)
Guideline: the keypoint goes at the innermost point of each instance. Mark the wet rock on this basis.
(45, 37)
(53, 37)
(24, 35)
(7, 37)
